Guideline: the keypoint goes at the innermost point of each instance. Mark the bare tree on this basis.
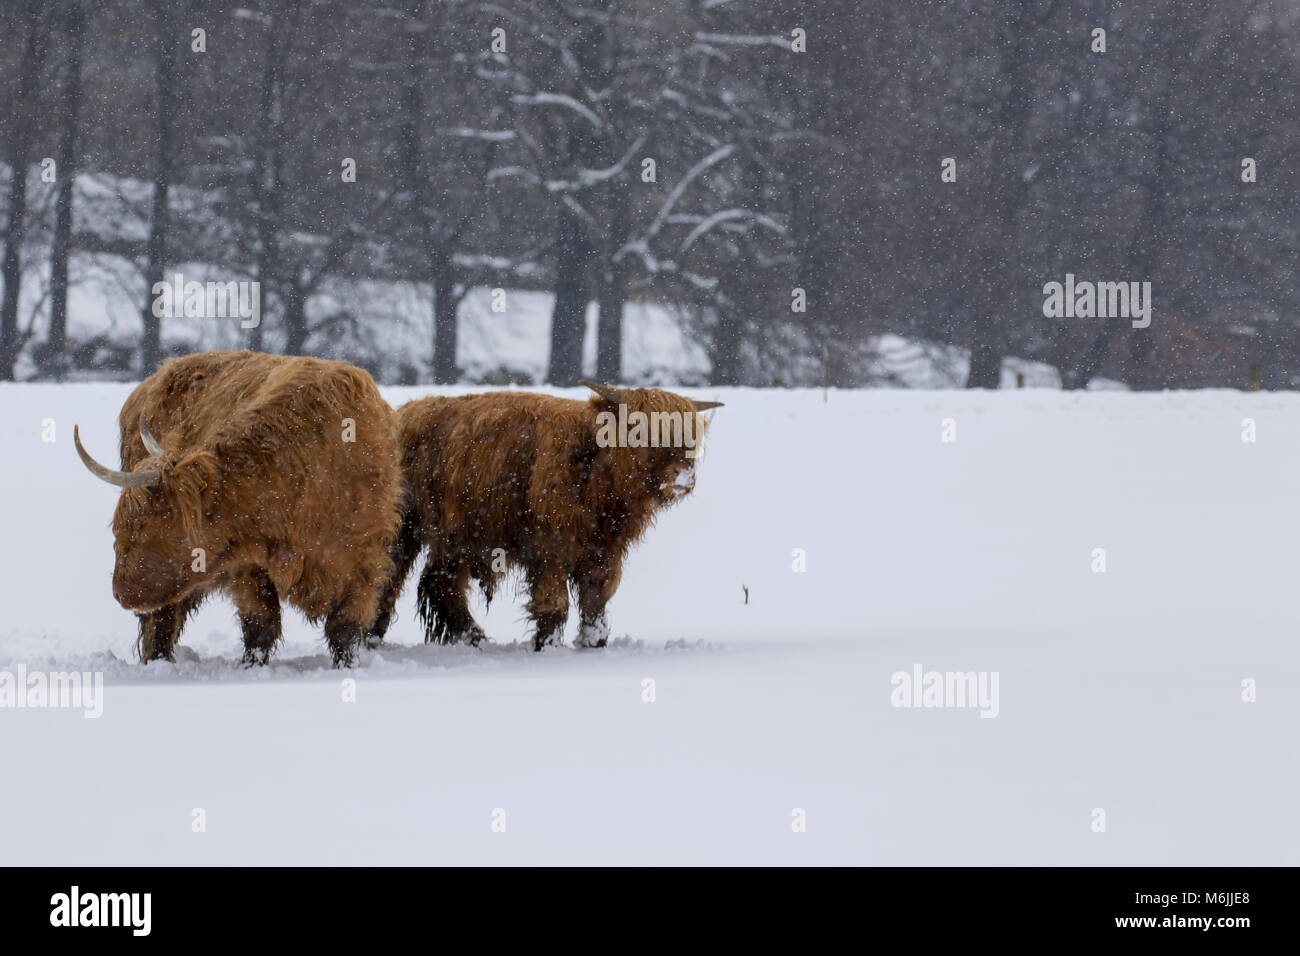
(444, 168)
(165, 19)
(74, 31)
(22, 124)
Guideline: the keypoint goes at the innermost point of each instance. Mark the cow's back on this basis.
(188, 390)
(197, 400)
(475, 463)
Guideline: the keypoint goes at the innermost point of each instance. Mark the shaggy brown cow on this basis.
(556, 487)
(271, 478)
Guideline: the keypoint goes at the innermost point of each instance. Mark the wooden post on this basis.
(1020, 380)
(826, 388)
(1256, 379)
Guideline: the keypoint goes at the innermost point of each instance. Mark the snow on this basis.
(1119, 690)
(512, 340)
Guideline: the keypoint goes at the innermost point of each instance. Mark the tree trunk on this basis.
(264, 177)
(445, 371)
(612, 286)
(295, 317)
(151, 344)
(410, 147)
(610, 299)
(985, 355)
(725, 353)
(14, 234)
(1079, 377)
(569, 315)
(1141, 376)
(594, 44)
(56, 344)
(1149, 236)
(611, 290)
(999, 259)
(15, 229)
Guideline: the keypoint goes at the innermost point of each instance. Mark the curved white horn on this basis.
(150, 443)
(123, 479)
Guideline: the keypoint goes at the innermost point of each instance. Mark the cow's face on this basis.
(671, 466)
(676, 478)
(660, 437)
(160, 554)
(161, 534)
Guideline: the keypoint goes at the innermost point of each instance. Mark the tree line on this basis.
(794, 180)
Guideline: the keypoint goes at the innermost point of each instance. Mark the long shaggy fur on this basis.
(518, 480)
(257, 472)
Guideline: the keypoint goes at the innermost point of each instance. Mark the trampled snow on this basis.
(1119, 691)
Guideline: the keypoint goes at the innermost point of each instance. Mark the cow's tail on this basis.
(434, 602)
(426, 608)
(442, 603)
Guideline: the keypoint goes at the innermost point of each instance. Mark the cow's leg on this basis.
(548, 605)
(161, 629)
(404, 552)
(443, 604)
(258, 604)
(353, 614)
(596, 585)
(343, 633)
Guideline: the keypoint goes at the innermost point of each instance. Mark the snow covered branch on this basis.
(558, 99)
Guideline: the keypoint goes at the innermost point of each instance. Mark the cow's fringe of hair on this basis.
(193, 479)
(185, 483)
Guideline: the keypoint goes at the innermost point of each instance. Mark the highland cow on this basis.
(555, 487)
(270, 478)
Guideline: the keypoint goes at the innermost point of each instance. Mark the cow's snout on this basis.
(144, 585)
(678, 480)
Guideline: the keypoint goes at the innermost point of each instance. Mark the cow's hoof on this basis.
(593, 634)
(343, 657)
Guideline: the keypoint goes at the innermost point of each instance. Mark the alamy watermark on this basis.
(636, 429)
(75, 908)
(946, 689)
(209, 300)
(1101, 300)
(70, 690)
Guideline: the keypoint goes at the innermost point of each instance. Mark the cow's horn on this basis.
(123, 479)
(150, 443)
(608, 392)
(705, 406)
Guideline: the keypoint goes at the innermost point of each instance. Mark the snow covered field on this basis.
(1120, 691)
